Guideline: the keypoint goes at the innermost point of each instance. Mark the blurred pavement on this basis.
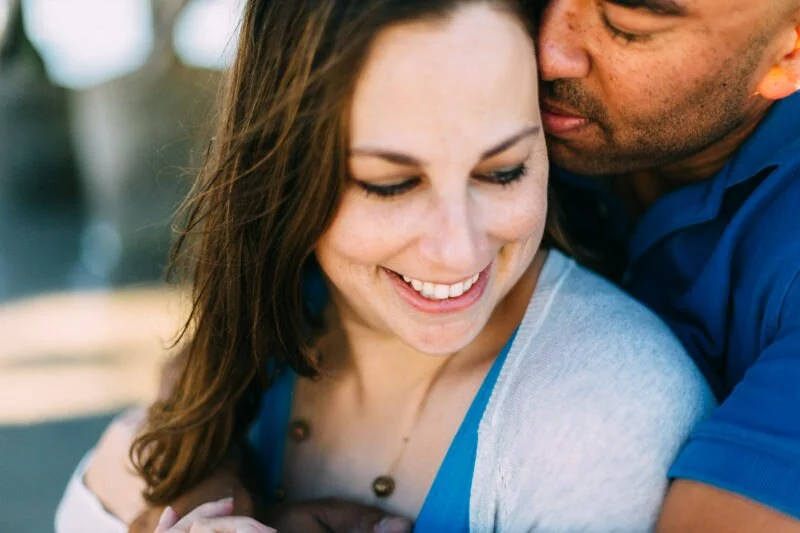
(68, 361)
(36, 463)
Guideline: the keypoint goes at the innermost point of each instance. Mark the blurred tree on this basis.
(40, 193)
(37, 162)
(5, 17)
(135, 136)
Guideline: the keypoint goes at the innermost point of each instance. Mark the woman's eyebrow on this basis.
(408, 160)
(393, 157)
(511, 141)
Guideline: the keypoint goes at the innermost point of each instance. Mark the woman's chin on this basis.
(442, 340)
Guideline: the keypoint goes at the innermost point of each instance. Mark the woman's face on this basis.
(446, 204)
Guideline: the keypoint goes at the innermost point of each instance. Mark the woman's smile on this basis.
(440, 298)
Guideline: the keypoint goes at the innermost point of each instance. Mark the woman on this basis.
(368, 242)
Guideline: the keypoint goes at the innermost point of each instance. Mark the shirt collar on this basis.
(775, 141)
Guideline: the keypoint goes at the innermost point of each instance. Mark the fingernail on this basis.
(167, 520)
(393, 524)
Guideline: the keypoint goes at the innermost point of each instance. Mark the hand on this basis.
(331, 515)
(213, 517)
(221, 484)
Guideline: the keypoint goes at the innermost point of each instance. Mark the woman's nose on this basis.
(455, 238)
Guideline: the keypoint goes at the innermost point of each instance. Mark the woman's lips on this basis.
(450, 305)
(559, 121)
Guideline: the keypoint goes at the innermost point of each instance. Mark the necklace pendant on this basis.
(383, 486)
(299, 430)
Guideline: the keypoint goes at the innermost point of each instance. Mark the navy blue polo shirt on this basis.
(719, 261)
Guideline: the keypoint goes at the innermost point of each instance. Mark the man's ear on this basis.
(783, 79)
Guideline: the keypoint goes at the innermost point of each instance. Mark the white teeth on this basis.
(456, 290)
(428, 290)
(437, 291)
(442, 292)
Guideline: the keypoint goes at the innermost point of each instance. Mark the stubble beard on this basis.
(683, 125)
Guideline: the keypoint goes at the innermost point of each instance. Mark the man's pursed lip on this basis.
(559, 122)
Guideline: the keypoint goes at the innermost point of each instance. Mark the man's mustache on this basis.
(569, 94)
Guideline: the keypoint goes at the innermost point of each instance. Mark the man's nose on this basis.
(560, 41)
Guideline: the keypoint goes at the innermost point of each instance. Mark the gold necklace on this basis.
(383, 485)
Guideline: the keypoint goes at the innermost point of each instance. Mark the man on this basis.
(683, 113)
(679, 116)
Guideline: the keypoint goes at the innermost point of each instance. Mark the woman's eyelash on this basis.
(504, 177)
(388, 191)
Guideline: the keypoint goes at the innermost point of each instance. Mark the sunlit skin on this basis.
(443, 111)
(667, 98)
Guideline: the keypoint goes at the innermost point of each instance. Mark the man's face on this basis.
(633, 84)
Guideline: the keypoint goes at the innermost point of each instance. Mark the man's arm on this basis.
(110, 476)
(740, 471)
(693, 507)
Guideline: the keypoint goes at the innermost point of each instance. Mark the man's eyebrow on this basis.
(659, 7)
(408, 160)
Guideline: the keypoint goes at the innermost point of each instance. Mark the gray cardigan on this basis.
(590, 408)
(592, 403)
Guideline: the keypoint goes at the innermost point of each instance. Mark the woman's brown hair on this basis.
(268, 190)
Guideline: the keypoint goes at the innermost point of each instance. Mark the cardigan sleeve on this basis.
(587, 419)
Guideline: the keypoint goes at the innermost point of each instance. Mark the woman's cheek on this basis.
(370, 230)
(522, 213)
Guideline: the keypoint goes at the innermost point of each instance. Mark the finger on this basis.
(219, 508)
(392, 524)
(168, 519)
(347, 517)
(147, 521)
(223, 483)
(228, 524)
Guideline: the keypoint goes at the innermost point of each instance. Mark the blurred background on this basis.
(105, 108)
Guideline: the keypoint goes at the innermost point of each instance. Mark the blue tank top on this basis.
(446, 507)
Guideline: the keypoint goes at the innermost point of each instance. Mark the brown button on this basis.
(299, 430)
(383, 486)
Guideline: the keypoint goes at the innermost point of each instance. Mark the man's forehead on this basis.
(692, 8)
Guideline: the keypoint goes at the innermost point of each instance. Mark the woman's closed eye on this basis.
(503, 176)
(390, 189)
